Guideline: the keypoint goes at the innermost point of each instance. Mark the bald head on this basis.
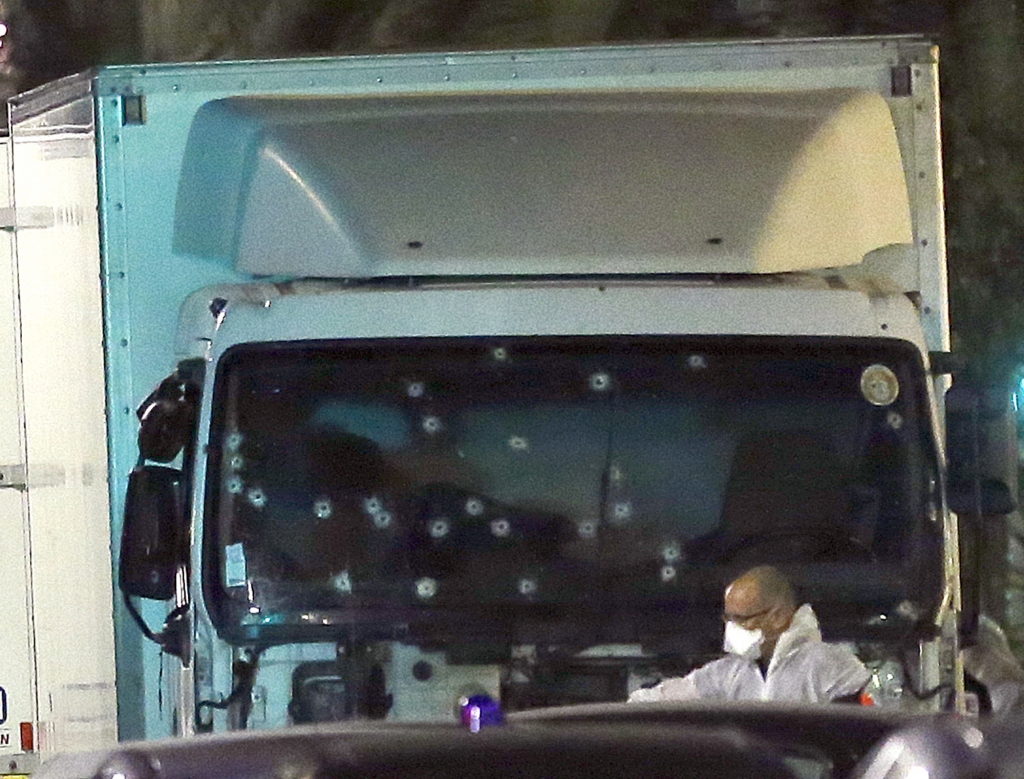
(772, 589)
(762, 598)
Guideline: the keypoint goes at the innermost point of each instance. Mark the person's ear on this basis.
(778, 619)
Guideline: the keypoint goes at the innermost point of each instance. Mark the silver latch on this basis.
(13, 476)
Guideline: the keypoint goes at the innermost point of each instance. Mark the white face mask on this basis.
(742, 642)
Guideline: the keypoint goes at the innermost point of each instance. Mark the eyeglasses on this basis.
(741, 619)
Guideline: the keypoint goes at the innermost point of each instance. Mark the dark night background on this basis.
(982, 67)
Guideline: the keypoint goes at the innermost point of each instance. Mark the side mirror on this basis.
(981, 437)
(166, 418)
(152, 532)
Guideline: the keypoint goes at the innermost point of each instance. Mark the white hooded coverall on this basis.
(803, 669)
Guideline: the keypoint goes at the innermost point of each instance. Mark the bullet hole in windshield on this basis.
(501, 528)
(622, 511)
(342, 582)
(518, 443)
(527, 587)
(426, 587)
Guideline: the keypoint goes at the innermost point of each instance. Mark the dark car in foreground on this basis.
(674, 741)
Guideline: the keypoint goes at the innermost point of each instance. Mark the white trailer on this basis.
(56, 606)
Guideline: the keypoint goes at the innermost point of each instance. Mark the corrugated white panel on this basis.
(65, 423)
(17, 671)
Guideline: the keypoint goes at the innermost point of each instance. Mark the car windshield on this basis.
(580, 490)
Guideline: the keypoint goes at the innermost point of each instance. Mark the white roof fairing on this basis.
(543, 183)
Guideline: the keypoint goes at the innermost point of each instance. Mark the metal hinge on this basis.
(14, 477)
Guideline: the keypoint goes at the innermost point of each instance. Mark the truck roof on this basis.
(629, 181)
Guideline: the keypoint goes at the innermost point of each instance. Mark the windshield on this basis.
(581, 490)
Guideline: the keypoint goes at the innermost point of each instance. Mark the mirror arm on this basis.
(173, 638)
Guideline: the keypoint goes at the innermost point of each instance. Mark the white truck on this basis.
(488, 370)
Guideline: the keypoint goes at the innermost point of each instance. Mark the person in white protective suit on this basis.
(774, 652)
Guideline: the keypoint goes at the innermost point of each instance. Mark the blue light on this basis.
(480, 711)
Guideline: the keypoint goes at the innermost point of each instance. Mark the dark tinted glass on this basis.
(481, 481)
